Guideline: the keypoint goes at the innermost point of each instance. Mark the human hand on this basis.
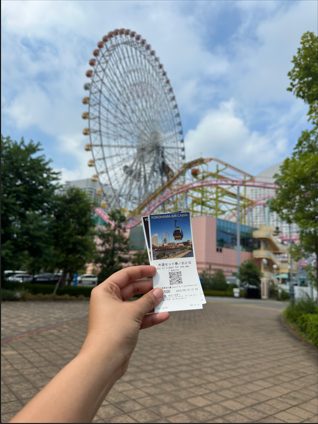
(78, 390)
(114, 322)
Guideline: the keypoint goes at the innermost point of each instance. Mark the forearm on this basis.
(76, 392)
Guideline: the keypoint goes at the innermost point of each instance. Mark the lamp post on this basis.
(275, 267)
(264, 286)
(291, 283)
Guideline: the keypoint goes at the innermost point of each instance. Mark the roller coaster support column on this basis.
(238, 235)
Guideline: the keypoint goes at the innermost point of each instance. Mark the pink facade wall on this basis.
(204, 238)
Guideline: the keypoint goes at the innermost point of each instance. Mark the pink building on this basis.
(209, 255)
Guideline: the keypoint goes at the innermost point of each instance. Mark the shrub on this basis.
(302, 306)
(283, 295)
(50, 297)
(304, 315)
(8, 295)
(277, 293)
(309, 323)
(222, 293)
(216, 281)
(219, 281)
(49, 288)
(273, 291)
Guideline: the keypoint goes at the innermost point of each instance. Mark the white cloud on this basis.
(46, 47)
(263, 62)
(223, 134)
(72, 146)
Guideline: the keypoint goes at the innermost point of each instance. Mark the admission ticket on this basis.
(170, 249)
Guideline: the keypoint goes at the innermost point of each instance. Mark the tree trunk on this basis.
(60, 283)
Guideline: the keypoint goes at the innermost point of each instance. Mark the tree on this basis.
(218, 280)
(28, 184)
(304, 74)
(297, 180)
(140, 258)
(309, 240)
(72, 229)
(249, 274)
(112, 245)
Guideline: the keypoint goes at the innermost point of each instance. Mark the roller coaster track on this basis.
(169, 193)
(176, 186)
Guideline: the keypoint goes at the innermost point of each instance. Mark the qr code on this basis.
(175, 277)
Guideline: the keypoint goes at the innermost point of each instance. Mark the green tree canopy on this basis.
(304, 74)
(112, 248)
(296, 198)
(140, 258)
(28, 183)
(72, 230)
(249, 274)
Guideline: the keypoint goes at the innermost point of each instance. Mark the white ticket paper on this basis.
(171, 252)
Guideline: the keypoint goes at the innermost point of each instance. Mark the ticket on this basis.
(170, 249)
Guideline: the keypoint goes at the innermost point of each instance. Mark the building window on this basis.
(226, 235)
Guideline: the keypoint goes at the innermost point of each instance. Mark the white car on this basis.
(20, 278)
(87, 280)
(8, 273)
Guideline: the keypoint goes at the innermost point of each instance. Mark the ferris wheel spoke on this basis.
(114, 104)
(110, 110)
(148, 100)
(159, 97)
(151, 99)
(119, 78)
(121, 130)
(115, 101)
(124, 182)
(132, 63)
(126, 89)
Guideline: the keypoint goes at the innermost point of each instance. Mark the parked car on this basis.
(252, 292)
(87, 280)
(9, 272)
(46, 277)
(20, 278)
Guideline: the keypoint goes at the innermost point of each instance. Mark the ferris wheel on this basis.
(134, 126)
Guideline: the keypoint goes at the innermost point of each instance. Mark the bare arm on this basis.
(77, 391)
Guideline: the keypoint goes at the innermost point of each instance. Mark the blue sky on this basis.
(227, 61)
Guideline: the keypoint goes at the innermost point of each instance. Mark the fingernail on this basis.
(158, 293)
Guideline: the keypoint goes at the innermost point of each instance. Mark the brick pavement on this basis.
(231, 362)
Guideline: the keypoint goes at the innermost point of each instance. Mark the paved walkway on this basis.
(232, 362)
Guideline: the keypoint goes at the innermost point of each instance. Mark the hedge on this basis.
(308, 324)
(8, 294)
(222, 293)
(304, 315)
(49, 288)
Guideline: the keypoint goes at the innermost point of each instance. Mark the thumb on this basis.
(148, 301)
